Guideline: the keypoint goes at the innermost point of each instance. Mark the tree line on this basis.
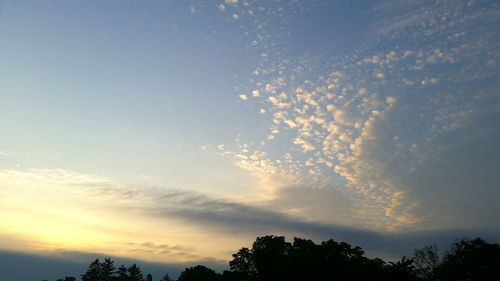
(272, 258)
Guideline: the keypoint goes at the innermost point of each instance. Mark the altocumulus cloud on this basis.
(402, 126)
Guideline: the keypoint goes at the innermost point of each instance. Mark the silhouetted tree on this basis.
(166, 278)
(228, 275)
(470, 260)
(426, 261)
(198, 273)
(374, 269)
(121, 274)
(134, 273)
(402, 270)
(70, 278)
(342, 261)
(304, 260)
(93, 272)
(242, 266)
(107, 269)
(269, 257)
(98, 271)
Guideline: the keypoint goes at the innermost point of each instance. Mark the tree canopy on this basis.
(272, 258)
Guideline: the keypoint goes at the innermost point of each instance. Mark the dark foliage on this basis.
(122, 274)
(134, 273)
(71, 278)
(166, 277)
(93, 273)
(426, 262)
(198, 273)
(470, 260)
(106, 271)
(271, 258)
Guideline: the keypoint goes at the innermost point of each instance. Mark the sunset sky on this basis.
(175, 132)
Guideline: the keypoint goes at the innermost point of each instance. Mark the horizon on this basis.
(175, 132)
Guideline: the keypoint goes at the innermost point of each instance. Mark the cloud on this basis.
(240, 218)
(391, 100)
(128, 215)
(73, 263)
(236, 218)
(192, 9)
(97, 217)
(427, 180)
(394, 136)
(231, 2)
(374, 119)
(195, 208)
(306, 146)
(329, 204)
(459, 181)
(17, 266)
(191, 213)
(9, 153)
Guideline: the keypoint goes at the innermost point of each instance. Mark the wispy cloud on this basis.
(9, 153)
(161, 225)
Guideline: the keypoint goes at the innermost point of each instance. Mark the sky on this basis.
(175, 132)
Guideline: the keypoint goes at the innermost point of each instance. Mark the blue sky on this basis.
(138, 129)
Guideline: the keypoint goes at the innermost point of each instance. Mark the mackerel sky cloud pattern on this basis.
(160, 124)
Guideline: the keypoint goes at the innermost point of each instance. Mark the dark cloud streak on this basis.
(230, 217)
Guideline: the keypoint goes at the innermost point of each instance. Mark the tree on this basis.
(100, 271)
(470, 260)
(134, 273)
(121, 274)
(426, 261)
(166, 278)
(402, 270)
(107, 269)
(70, 278)
(342, 261)
(269, 257)
(303, 260)
(93, 272)
(198, 273)
(243, 265)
